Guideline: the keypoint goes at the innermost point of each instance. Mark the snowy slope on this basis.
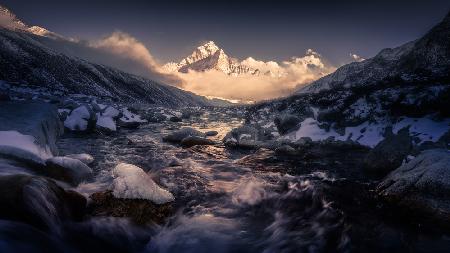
(31, 55)
(404, 87)
(427, 58)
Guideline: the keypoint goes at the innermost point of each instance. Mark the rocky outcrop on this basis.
(141, 211)
(389, 153)
(421, 187)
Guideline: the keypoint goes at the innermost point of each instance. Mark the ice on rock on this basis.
(131, 182)
(15, 144)
(78, 119)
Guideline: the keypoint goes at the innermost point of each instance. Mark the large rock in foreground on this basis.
(36, 119)
(38, 201)
(421, 186)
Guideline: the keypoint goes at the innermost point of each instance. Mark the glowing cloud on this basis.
(275, 79)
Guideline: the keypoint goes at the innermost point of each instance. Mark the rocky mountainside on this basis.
(27, 57)
(402, 92)
(424, 60)
(208, 57)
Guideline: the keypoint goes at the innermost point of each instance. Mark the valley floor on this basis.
(227, 200)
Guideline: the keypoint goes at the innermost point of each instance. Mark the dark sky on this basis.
(268, 30)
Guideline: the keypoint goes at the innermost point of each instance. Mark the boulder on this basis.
(246, 136)
(39, 202)
(81, 119)
(211, 133)
(37, 119)
(105, 124)
(421, 187)
(85, 158)
(286, 150)
(67, 169)
(155, 117)
(112, 112)
(175, 119)
(131, 182)
(178, 136)
(390, 152)
(196, 140)
(128, 124)
(141, 211)
(286, 123)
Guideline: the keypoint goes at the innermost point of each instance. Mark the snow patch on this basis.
(425, 128)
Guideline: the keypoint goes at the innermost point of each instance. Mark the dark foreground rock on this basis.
(389, 153)
(140, 211)
(39, 202)
(128, 124)
(211, 133)
(421, 187)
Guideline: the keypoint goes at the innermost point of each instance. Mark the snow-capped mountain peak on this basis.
(10, 21)
(210, 57)
(206, 50)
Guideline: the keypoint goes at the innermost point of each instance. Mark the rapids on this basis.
(228, 201)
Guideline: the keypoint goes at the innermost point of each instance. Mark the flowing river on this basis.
(238, 200)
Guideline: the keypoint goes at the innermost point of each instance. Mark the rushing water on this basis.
(234, 201)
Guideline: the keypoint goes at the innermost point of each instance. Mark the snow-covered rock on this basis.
(110, 112)
(80, 119)
(23, 147)
(29, 130)
(67, 169)
(421, 186)
(105, 123)
(131, 182)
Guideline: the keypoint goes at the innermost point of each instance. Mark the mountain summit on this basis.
(210, 57)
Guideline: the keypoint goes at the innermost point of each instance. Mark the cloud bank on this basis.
(275, 80)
